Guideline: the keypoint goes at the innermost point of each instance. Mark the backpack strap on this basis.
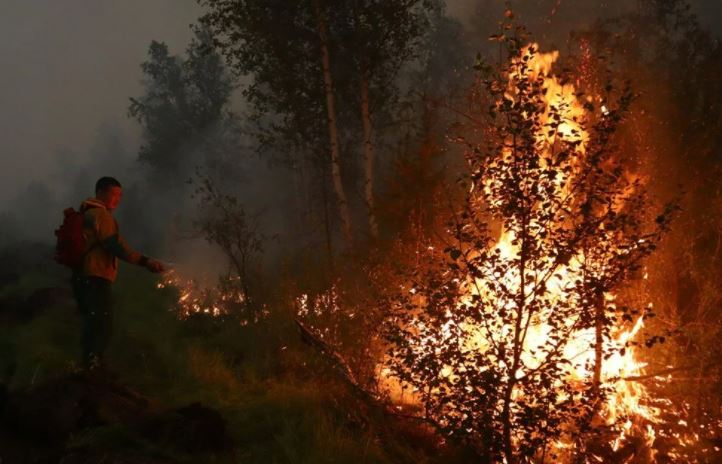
(84, 208)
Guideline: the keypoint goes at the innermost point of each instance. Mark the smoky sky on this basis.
(67, 68)
(551, 21)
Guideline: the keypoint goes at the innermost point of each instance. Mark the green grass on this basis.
(281, 402)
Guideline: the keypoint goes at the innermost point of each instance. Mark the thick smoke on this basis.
(68, 70)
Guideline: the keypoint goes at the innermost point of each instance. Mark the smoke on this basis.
(551, 21)
(64, 123)
(68, 70)
(73, 64)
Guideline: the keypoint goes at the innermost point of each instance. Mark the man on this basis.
(92, 281)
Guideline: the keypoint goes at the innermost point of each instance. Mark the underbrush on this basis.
(281, 401)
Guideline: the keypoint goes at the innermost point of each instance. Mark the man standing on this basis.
(92, 281)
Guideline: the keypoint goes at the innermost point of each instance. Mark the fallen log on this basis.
(312, 338)
(376, 401)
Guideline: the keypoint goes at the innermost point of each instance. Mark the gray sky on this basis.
(67, 68)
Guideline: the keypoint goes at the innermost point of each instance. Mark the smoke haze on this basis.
(69, 68)
(551, 21)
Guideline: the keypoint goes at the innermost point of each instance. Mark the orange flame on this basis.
(628, 400)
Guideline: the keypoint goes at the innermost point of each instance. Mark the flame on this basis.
(196, 298)
(628, 401)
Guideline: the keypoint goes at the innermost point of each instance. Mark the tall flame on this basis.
(627, 400)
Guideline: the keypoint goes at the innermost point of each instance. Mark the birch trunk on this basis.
(332, 125)
(369, 154)
(598, 343)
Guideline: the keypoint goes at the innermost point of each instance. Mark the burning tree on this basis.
(509, 335)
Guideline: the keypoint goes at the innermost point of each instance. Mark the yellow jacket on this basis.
(104, 244)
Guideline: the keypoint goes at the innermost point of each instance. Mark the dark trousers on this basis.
(95, 303)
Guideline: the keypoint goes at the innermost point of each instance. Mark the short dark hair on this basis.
(106, 182)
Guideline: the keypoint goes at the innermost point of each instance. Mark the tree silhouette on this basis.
(185, 100)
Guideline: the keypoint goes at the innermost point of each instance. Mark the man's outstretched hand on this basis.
(155, 266)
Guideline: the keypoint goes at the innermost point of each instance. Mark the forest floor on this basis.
(200, 390)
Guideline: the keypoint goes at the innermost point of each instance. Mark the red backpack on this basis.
(70, 245)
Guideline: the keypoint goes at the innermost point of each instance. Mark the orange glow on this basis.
(627, 401)
(195, 298)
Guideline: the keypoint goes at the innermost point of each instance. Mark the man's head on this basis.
(108, 190)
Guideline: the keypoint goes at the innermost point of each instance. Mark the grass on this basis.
(281, 402)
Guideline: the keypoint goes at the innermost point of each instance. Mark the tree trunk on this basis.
(506, 421)
(599, 342)
(332, 124)
(327, 223)
(369, 154)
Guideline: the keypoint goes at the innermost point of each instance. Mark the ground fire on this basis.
(569, 167)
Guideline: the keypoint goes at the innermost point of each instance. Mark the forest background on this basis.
(233, 164)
